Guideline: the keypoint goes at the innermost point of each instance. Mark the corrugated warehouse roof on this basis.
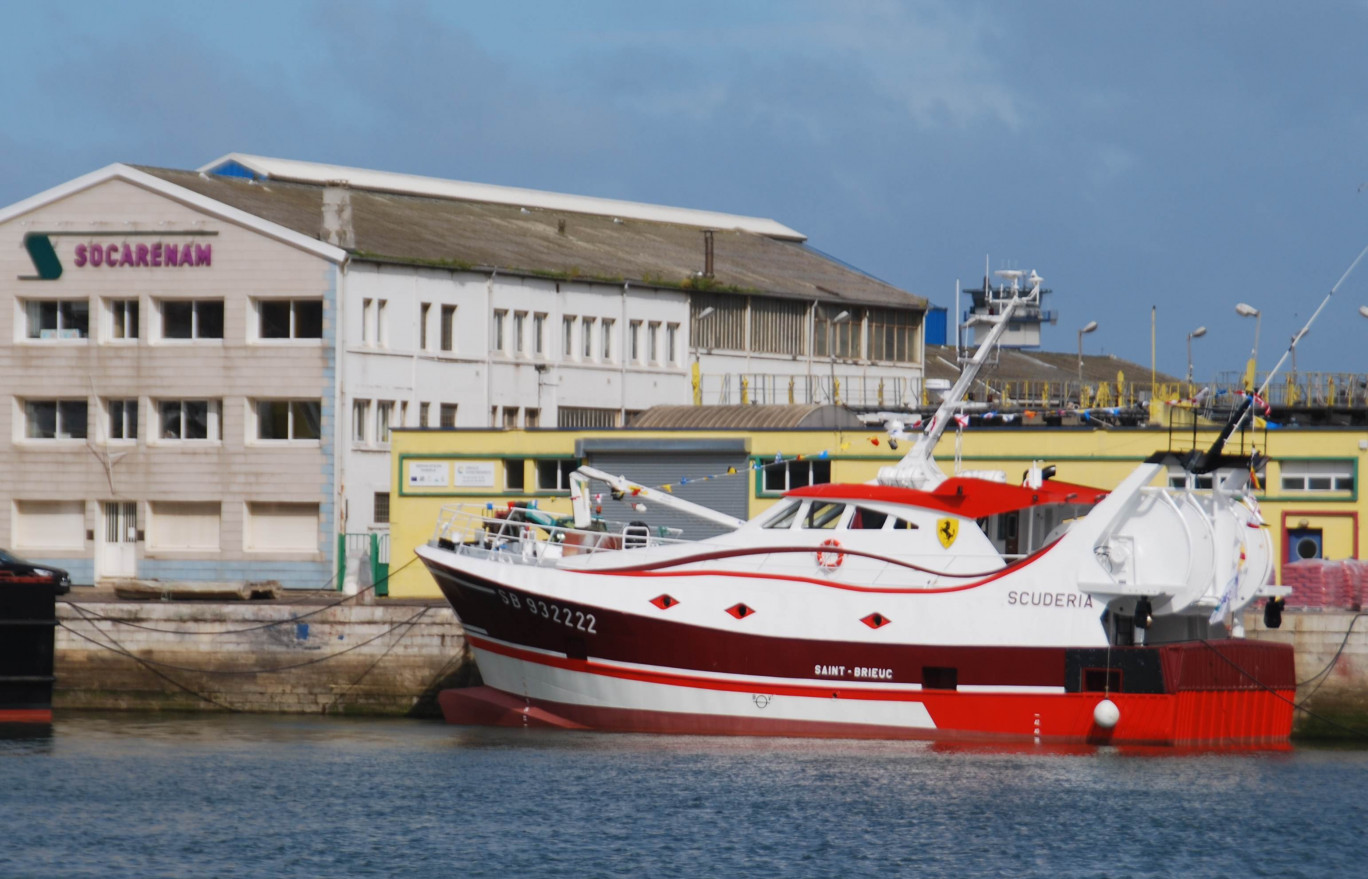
(804, 417)
(466, 234)
(1053, 366)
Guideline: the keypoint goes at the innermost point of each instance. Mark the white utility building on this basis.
(201, 368)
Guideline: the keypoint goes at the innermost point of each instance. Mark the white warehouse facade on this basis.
(201, 368)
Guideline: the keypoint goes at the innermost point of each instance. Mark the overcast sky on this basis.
(1184, 156)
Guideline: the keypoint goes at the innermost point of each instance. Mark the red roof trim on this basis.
(960, 496)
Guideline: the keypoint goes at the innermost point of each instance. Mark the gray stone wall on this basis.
(256, 657)
(1332, 669)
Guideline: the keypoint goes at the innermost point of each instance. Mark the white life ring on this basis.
(829, 556)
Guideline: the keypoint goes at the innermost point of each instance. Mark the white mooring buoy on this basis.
(1106, 714)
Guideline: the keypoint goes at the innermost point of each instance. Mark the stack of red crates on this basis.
(1319, 584)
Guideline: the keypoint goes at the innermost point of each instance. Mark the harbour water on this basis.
(122, 795)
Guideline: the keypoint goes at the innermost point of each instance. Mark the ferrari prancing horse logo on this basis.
(947, 530)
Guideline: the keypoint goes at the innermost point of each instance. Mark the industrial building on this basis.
(202, 368)
(741, 463)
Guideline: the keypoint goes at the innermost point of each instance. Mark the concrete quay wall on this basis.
(1331, 649)
(392, 658)
(387, 659)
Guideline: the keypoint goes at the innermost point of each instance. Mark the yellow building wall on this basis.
(1096, 457)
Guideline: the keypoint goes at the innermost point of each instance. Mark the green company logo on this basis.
(156, 254)
(44, 256)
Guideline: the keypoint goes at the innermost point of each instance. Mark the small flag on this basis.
(962, 420)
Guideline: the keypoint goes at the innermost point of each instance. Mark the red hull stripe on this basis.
(653, 569)
(814, 691)
(25, 715)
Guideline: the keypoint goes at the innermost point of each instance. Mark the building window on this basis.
(672, 343)
(568, 337)
(1317, 475)
(380, 510)
(724, 327)
(189, 419)
(608, 325)
(531, 418)
(281, 527)
(123, 319)
(192, 318)
(123, 419)
(290, 318)
(183, 525)
(500, 317)
(288, 419)
(510, 417)
(539, 335)
(1179, 478)
(447, 415)
(44, 524)
(834, 335)
(360, 418)
(794, 474)
(519, 327)
(515, 478)
(55, 419)
(893, 335)
(586, 416)
(423, 410)
(634, 340)
(384, 415)
(777, 326)
(587, 337)
(58, 318)
(424, 314)
(553, 474)
(653, 342)
(448, 329)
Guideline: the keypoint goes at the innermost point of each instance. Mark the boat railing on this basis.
(529, 536)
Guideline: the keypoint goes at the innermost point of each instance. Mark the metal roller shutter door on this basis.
(730, 494)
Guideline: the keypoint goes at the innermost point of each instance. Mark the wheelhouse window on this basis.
(866, 519)
(192, 318)
(55, 419)
(823, 514)
(57, 318)
(290, 318)
(189, 419)
(288, 419)
(785, 513)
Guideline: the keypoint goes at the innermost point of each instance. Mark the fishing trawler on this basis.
(920, 605)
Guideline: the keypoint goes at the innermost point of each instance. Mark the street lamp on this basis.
(831, 350)
(1244, 310)
(1195, 334)
(1088, 328)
